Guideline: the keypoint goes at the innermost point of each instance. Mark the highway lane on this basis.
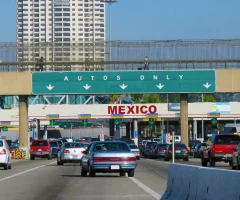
(43, 179)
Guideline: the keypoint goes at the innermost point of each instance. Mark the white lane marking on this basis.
(24, 172)
(146, 188)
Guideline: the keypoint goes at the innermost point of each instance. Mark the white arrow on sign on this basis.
(207, 85)
(160, 86)
(123, 86)
(87, 86)
(49, 87)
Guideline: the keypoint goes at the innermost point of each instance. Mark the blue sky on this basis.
(156, 19)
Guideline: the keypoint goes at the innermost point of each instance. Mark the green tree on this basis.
(208, 98)
(137, 98)
(146, 98)
(115, 97)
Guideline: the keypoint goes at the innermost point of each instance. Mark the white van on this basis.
(177, 138)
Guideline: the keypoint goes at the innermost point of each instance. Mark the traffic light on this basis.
(30, 128)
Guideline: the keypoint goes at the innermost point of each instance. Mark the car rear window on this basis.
(161, 145)
(53, 144)
(227, 139)
(133, 146)
(106, 147)
(39, 143)
(178, 146)
(73, 145)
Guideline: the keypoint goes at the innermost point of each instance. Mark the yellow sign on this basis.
(158, 119)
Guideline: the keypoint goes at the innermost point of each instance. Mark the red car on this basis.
(40, 148)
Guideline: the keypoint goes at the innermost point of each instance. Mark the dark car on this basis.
(55, 147)
(180, 152)
(160, 150)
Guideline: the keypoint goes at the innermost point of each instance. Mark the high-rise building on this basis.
(60, 30)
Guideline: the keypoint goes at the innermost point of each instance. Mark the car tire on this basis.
(59, 162)
(122, 173)
(83, 172)
(166, 159)
(32, 157)
(49, 157)
(204, 162)
(91, 172)
(9, 166)
(185, 159)
(6, 166)
(138, 158)
(131, 173)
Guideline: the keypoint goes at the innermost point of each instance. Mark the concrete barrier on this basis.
(182, 182)
(198, 183)
(218, 184)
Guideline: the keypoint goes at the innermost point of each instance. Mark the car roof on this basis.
(109, 141)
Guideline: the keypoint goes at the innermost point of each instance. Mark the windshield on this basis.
(106, 147)
(85, 145)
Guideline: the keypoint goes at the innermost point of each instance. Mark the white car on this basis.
(5, 155)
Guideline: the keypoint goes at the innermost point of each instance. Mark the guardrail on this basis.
(198, 183)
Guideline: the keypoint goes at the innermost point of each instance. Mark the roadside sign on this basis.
(124, 82)
(168, 138)
(4, 128)
(52, 122)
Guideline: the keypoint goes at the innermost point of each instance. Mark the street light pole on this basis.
(110, 28)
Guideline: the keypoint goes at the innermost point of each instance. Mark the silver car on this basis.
(108, 156)
(70, 152)
(5, 155)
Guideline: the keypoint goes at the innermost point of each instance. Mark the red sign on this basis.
(132, 109)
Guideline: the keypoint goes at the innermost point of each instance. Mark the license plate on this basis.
(228, 155)
(39, 149)
(115, 167)
(178, 151)
(75, 156)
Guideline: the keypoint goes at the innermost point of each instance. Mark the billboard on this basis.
(222, 108)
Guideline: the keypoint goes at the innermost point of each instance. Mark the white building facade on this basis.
(60, 30)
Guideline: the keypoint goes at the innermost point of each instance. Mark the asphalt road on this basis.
(43, 180)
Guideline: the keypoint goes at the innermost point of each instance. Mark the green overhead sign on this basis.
(124, 82)
(4, 128)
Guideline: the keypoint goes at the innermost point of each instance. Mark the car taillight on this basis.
(31, 149)
(114, 159)
(170, 151)
(131, 159)
(3, 152)
(48, 149)
(66, 151)
(213, 148)
(186, 151)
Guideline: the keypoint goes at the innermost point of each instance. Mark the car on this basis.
(70, 152)
(108, 156)
(236, 157)
(55, 147)
(40, 148)
(147, 150)
(180, 152)
(5, 155)
(134, 148)
(159, 151)
(219, 148)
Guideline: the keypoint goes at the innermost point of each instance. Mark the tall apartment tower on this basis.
(60, 30)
